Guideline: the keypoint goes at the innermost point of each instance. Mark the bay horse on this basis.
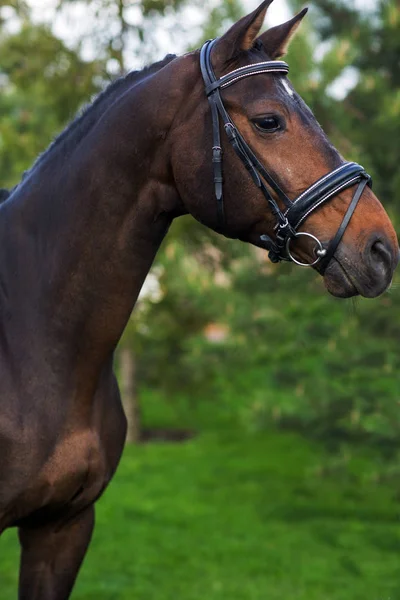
(220, 134)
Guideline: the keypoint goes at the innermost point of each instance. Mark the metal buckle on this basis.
(216, 154)
(230, 130)
(319, 250)
(284, 230)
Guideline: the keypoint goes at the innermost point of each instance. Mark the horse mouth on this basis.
(342, 282)
(339, 282)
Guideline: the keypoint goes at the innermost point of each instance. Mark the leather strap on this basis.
(244, 152)
(234, 76)
(323, 190)
(343, 225)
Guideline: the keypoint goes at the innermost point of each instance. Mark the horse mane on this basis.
(4, 194)
(85, 119)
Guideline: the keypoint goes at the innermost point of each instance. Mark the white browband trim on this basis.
(267, 63)
(243, 75)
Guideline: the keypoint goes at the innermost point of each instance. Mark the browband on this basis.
(269, 66)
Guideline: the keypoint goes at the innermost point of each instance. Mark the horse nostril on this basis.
(380, 255)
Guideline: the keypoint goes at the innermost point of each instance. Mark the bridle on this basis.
(295, 211)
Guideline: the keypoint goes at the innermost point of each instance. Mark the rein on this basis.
(295, 212)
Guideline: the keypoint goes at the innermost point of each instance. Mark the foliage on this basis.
(43, 83)
(370, 112)
(294, 356)
(116, 23)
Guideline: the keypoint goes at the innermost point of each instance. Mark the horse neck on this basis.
(89, 227)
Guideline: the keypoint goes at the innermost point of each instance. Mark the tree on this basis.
(42, 84)
(368, 41)
(121, 29)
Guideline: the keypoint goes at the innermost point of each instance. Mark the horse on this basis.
(219, 133)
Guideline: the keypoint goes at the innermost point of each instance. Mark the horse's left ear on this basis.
(241, 36)
(276, 40)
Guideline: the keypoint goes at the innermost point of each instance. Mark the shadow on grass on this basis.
(166, 435)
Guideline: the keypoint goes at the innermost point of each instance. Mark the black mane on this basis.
(89, 115)
(4, 194)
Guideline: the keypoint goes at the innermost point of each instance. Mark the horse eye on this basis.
(267, 124)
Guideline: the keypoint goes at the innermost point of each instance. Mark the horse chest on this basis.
(78, 457)
(72, 477)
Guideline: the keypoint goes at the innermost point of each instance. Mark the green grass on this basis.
(234, 517)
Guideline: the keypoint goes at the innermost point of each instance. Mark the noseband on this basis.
(294, 212)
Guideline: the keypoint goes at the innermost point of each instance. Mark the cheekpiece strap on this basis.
(251, 162)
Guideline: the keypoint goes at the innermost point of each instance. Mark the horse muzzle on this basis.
(368, 274)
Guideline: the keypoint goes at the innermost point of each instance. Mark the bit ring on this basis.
(319, 250)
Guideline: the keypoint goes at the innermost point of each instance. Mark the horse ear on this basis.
(276, 40)
(241, 36)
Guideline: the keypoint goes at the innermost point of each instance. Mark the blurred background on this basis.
(263, 456)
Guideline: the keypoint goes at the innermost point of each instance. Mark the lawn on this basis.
(237, 517)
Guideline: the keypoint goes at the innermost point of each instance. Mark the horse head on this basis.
(261, 169)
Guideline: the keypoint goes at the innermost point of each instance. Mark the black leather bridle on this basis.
(296, 211)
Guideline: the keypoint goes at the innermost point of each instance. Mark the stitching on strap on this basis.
(243, 75)
(279, 64)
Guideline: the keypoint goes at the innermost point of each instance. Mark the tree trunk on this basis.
(129, 394)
